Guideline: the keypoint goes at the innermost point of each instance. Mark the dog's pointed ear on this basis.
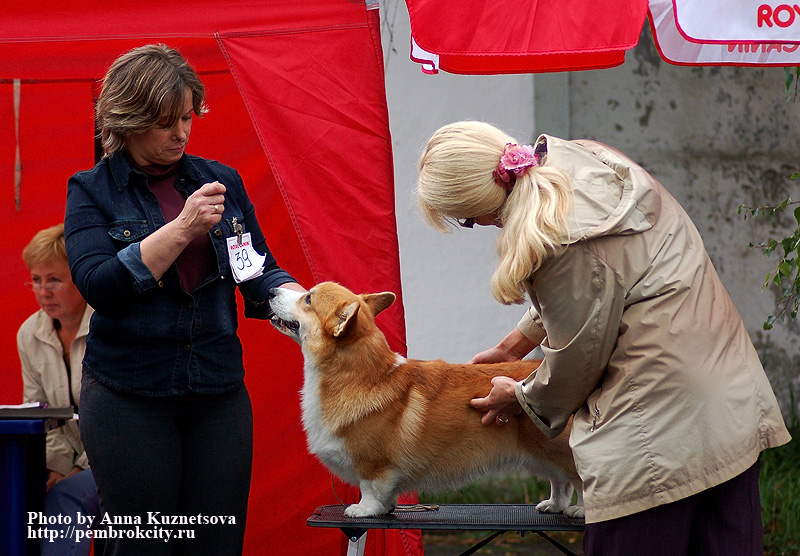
(343, 319)
(377, 302)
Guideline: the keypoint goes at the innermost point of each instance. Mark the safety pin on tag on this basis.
(238, 230)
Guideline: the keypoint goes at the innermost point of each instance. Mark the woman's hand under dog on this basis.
(500, 404)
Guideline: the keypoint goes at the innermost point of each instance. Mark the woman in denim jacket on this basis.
(165, 416)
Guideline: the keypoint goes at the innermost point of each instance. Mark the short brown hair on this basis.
(46, 245)
(145, 88)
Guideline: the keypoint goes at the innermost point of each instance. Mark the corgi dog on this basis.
(391, 425)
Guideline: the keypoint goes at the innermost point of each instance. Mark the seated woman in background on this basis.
(51, 343)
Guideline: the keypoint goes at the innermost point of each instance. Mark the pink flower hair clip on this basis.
(515, 161)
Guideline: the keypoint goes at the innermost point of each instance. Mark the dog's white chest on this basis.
(322, 442)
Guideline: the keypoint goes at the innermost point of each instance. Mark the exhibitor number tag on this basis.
(246, 263)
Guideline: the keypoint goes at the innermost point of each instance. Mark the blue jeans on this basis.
(74, 497)
(167, 467)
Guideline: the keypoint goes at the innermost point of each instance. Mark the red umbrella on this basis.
(551, 35)
(520, 37)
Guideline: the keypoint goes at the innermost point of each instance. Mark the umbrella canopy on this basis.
(489, 37)
(552, 35)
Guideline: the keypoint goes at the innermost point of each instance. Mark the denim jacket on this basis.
(150, 336)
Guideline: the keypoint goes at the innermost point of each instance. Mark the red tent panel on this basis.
(76, 20)
(307, 106)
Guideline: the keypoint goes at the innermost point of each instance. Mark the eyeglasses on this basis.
(466, 222)
(51, 286)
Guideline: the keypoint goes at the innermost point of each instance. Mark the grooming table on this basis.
(500, 518)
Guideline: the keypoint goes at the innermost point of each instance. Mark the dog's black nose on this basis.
(273, 292)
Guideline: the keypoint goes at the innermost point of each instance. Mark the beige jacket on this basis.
(643, 344)
(44, 377)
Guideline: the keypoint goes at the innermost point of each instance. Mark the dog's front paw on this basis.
(575, 511)
(550, 506)
(366, 510)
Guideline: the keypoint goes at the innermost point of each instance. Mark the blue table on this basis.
(23, 472)
(23, 477)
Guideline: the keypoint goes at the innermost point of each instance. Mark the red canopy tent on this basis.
(297, 105)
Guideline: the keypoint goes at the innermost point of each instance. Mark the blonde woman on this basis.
(641, 342)
(51, 343)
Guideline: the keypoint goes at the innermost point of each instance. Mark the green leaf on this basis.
(770, 246)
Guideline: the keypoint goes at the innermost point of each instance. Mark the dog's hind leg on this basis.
(560, 497)
(378, 497)
(577, 509)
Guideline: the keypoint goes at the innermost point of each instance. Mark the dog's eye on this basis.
(307, 299)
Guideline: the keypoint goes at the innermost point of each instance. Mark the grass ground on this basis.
(780, 497)
(510, 544)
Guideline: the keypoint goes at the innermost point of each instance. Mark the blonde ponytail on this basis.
(456, 180)
(534, 221)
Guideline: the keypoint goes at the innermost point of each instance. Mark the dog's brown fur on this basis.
(391, 425)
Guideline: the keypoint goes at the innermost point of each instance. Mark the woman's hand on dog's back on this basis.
(513, 347)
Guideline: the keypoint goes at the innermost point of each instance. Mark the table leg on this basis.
(356, 547)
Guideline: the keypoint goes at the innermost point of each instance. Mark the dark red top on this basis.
(198, 259)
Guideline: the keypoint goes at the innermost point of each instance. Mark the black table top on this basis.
(482, 517)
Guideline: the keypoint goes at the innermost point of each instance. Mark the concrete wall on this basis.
(716, 137)
(450, 311)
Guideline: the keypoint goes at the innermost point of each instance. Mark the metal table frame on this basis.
(499, 518)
